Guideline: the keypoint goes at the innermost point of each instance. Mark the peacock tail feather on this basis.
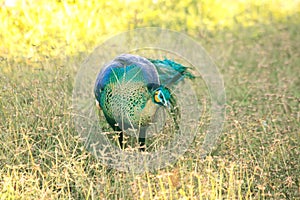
(170, 72)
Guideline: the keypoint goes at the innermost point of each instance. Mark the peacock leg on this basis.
(121, 140)
(142, 139)
(142, 143)
(120, 136)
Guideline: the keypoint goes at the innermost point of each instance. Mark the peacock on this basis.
(130, 89)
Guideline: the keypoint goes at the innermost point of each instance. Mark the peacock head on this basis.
(162, 96)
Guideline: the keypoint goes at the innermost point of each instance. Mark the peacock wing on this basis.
(121, 89)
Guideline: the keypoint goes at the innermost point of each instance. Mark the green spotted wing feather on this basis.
(122, 90)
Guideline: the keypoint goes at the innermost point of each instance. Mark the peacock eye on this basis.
(161, 96)
(156, 97)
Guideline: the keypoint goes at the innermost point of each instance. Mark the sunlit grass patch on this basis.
(42, 46)
(53, 28)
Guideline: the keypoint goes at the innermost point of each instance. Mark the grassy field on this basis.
(257, 157)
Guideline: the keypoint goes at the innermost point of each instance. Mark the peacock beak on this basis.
(167, 104)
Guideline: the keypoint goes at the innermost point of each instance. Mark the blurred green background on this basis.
(55, 27)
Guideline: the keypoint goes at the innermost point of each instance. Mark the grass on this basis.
(257, 157)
